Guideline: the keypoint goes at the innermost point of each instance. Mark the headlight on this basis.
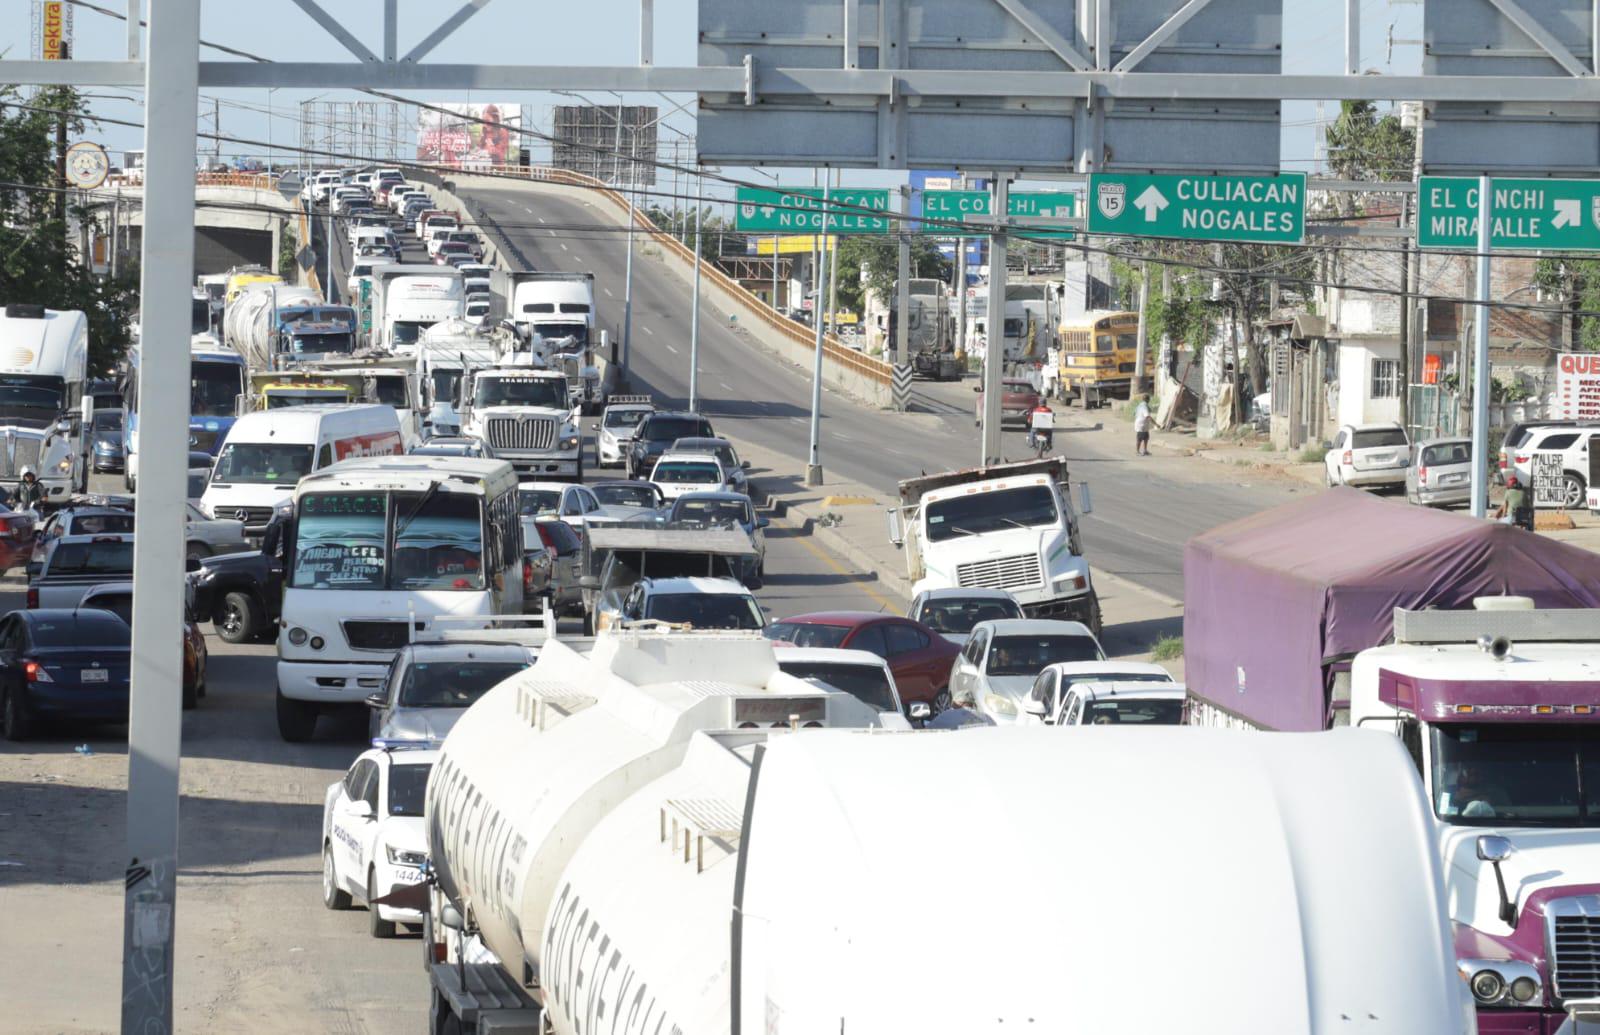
(64, 465)
(1523, 989)
(404, 857)
(317, 643)
(1488, 986)
(569, 442)
(1502, 983)
(297, 636)
(999, 704)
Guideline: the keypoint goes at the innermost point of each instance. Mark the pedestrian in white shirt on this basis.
(1141, 429)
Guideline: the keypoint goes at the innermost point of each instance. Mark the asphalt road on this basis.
(1145, 509)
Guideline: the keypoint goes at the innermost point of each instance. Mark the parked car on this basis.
(429, 685)
(1440, 473)
(680, 473)
(655, 435)
(1018, 398)
(1519, 433)
(1002, 660)
(62, 663)
(1368, 456)
(864, 676)
(110, 450)
(723, 450)
(698, 602)
(117, 597)
(1573, 445)
(919, 657)
(726, 509)
(630, 501)
(953, 611)
(452, 445)
(1044, 700)
(373, 837)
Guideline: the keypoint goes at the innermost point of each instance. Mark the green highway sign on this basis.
(1261, 209)
(1562, 215)
(954, 205)
(798, 210)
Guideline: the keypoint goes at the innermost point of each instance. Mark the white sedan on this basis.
(680, 473)
(373, 838)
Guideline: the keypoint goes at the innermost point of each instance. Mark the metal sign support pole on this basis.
(774, 272)
(994, 354)
(1480, 357)
(694, 310)
(814, 467)
(155, 727)
(627, 281)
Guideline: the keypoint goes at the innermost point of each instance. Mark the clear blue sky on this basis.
(600, 32)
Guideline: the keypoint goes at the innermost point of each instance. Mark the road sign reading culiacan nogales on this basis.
(799, 210)
(1562, 215)
(1259, 209)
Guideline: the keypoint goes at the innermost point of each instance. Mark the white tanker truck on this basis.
(652, 839)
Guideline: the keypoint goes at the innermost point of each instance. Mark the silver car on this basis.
(1440, 474)
(430, 685)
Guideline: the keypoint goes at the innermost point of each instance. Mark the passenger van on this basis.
(268, 452)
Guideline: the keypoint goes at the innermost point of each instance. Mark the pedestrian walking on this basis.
(1141, 429)
(29, 492)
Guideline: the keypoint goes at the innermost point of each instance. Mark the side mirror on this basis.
(362, 808)
(588, 582)
(919, 710)
(977, 389)
(896, 534)
(1085, 501)
(377, 700)
(1033, 706)
(1495, 850)
(762, 522)
(191, 564)
(744, 465)
(450, 917)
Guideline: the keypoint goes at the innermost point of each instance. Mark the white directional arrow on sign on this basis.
(1569, 212)
(1152, 201)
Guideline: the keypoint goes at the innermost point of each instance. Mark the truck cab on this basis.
(524, 415)
(1006, 526)
(1500, 712)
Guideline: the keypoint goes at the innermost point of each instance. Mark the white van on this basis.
(268, 452)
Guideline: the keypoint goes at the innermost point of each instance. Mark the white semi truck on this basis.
(664, 836)
(553, 306)
(408, 298)
(44, 417)
(1005, 526)
(526, 416)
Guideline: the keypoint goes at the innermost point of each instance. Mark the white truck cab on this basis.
(1006, 526)
(523, 414)
(44, 356)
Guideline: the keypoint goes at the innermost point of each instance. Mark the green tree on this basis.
(38, 263)
(1576, 283)
(1363, 145)
(868, 265)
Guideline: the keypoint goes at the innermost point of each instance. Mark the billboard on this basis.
(615, 143)
(52, 30)
(469, 136)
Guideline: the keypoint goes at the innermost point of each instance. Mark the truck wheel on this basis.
(578, 477)
(196, 551)
(333, 896)
(17, 721)
(238, 617)
(379, 927)
(297, 720)
(1095, 624)
(128, 481)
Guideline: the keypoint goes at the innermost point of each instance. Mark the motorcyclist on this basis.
(1040, 439)
(29, 492)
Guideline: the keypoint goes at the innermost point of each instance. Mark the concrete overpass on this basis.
(239, 219)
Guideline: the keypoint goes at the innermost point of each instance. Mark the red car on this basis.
(919, 657)
(1018, 398)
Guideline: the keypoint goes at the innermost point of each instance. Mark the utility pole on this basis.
(774, 272)
(1405, 316)
(1480, 357)
(814, 464)
(994, 352)
(1141, 362)
(627, 280)
(833, 274)
(61, 147)
(961, 288)
(694, 310)
(902, 286)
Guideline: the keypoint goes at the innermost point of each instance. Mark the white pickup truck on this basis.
(74, 564)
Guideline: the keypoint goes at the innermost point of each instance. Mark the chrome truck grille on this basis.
(17, 452)
(521, 432)
(1020, 571)
(1573, 929)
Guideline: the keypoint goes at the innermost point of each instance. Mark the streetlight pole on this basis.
(694, 312)
(627, 279)
(814, 466)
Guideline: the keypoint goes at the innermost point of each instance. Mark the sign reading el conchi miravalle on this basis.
(1578, 385)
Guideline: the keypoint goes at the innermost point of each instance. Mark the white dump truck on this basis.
(663, 836)
(1005, 526)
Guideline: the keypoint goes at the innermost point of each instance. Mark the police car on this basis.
(373, 839)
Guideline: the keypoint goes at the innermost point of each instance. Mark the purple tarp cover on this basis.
(1271, 599)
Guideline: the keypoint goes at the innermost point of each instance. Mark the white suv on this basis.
(1369, 456)
(1573, 445)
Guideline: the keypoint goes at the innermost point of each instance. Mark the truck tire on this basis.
(15, 718)
(379, 927)
(197, 551)
(238, 617)
(297, 720)
(1094, 623)
(333, 896)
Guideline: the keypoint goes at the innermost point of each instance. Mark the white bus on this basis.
(378, 548)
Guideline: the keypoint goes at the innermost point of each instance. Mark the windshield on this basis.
(1030, 506)
(674, 473)
(642, 494)
(625, 418)
(868, 684)
(45, 396)
(1517, 774)
(444, 384)
(120, 523)
(199, 315)
(712, 512)
(332, 341)
(408, 787)
(1447, 453)
(808, 634)
(706, 610)
(88, 628)
(340, 541)
(520, 391)
(452, 684)
(958, 616)
(1134, 713)
(438, 541)
(214, 388)
(389, 390)
(406, 332)
(107, 424)
(283, 398)
(534, 502)
(576, 331)
(559, 536)
(1028, 655)
(113, 557)
(670, 429)
(1378, 439)
(257, 463)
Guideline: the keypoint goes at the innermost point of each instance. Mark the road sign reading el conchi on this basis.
(1523, 213)
(1262, 209)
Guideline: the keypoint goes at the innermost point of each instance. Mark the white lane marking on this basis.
(564, 246)
(529, 211)
(648, 331)
(672, 350)
(552, 233)
(892, 452)
(539, 218)
(725, 386)
(608, 292)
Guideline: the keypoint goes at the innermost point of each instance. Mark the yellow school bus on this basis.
(1098, 352)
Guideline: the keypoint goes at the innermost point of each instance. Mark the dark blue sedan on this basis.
(57, 663)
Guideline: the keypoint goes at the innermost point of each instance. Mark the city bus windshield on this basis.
(378, 540)
(214, 388)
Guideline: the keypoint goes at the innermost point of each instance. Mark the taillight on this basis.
(527, 575)
(1522, 458)
(33, 596)
(35, 673)
(1347, 460)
